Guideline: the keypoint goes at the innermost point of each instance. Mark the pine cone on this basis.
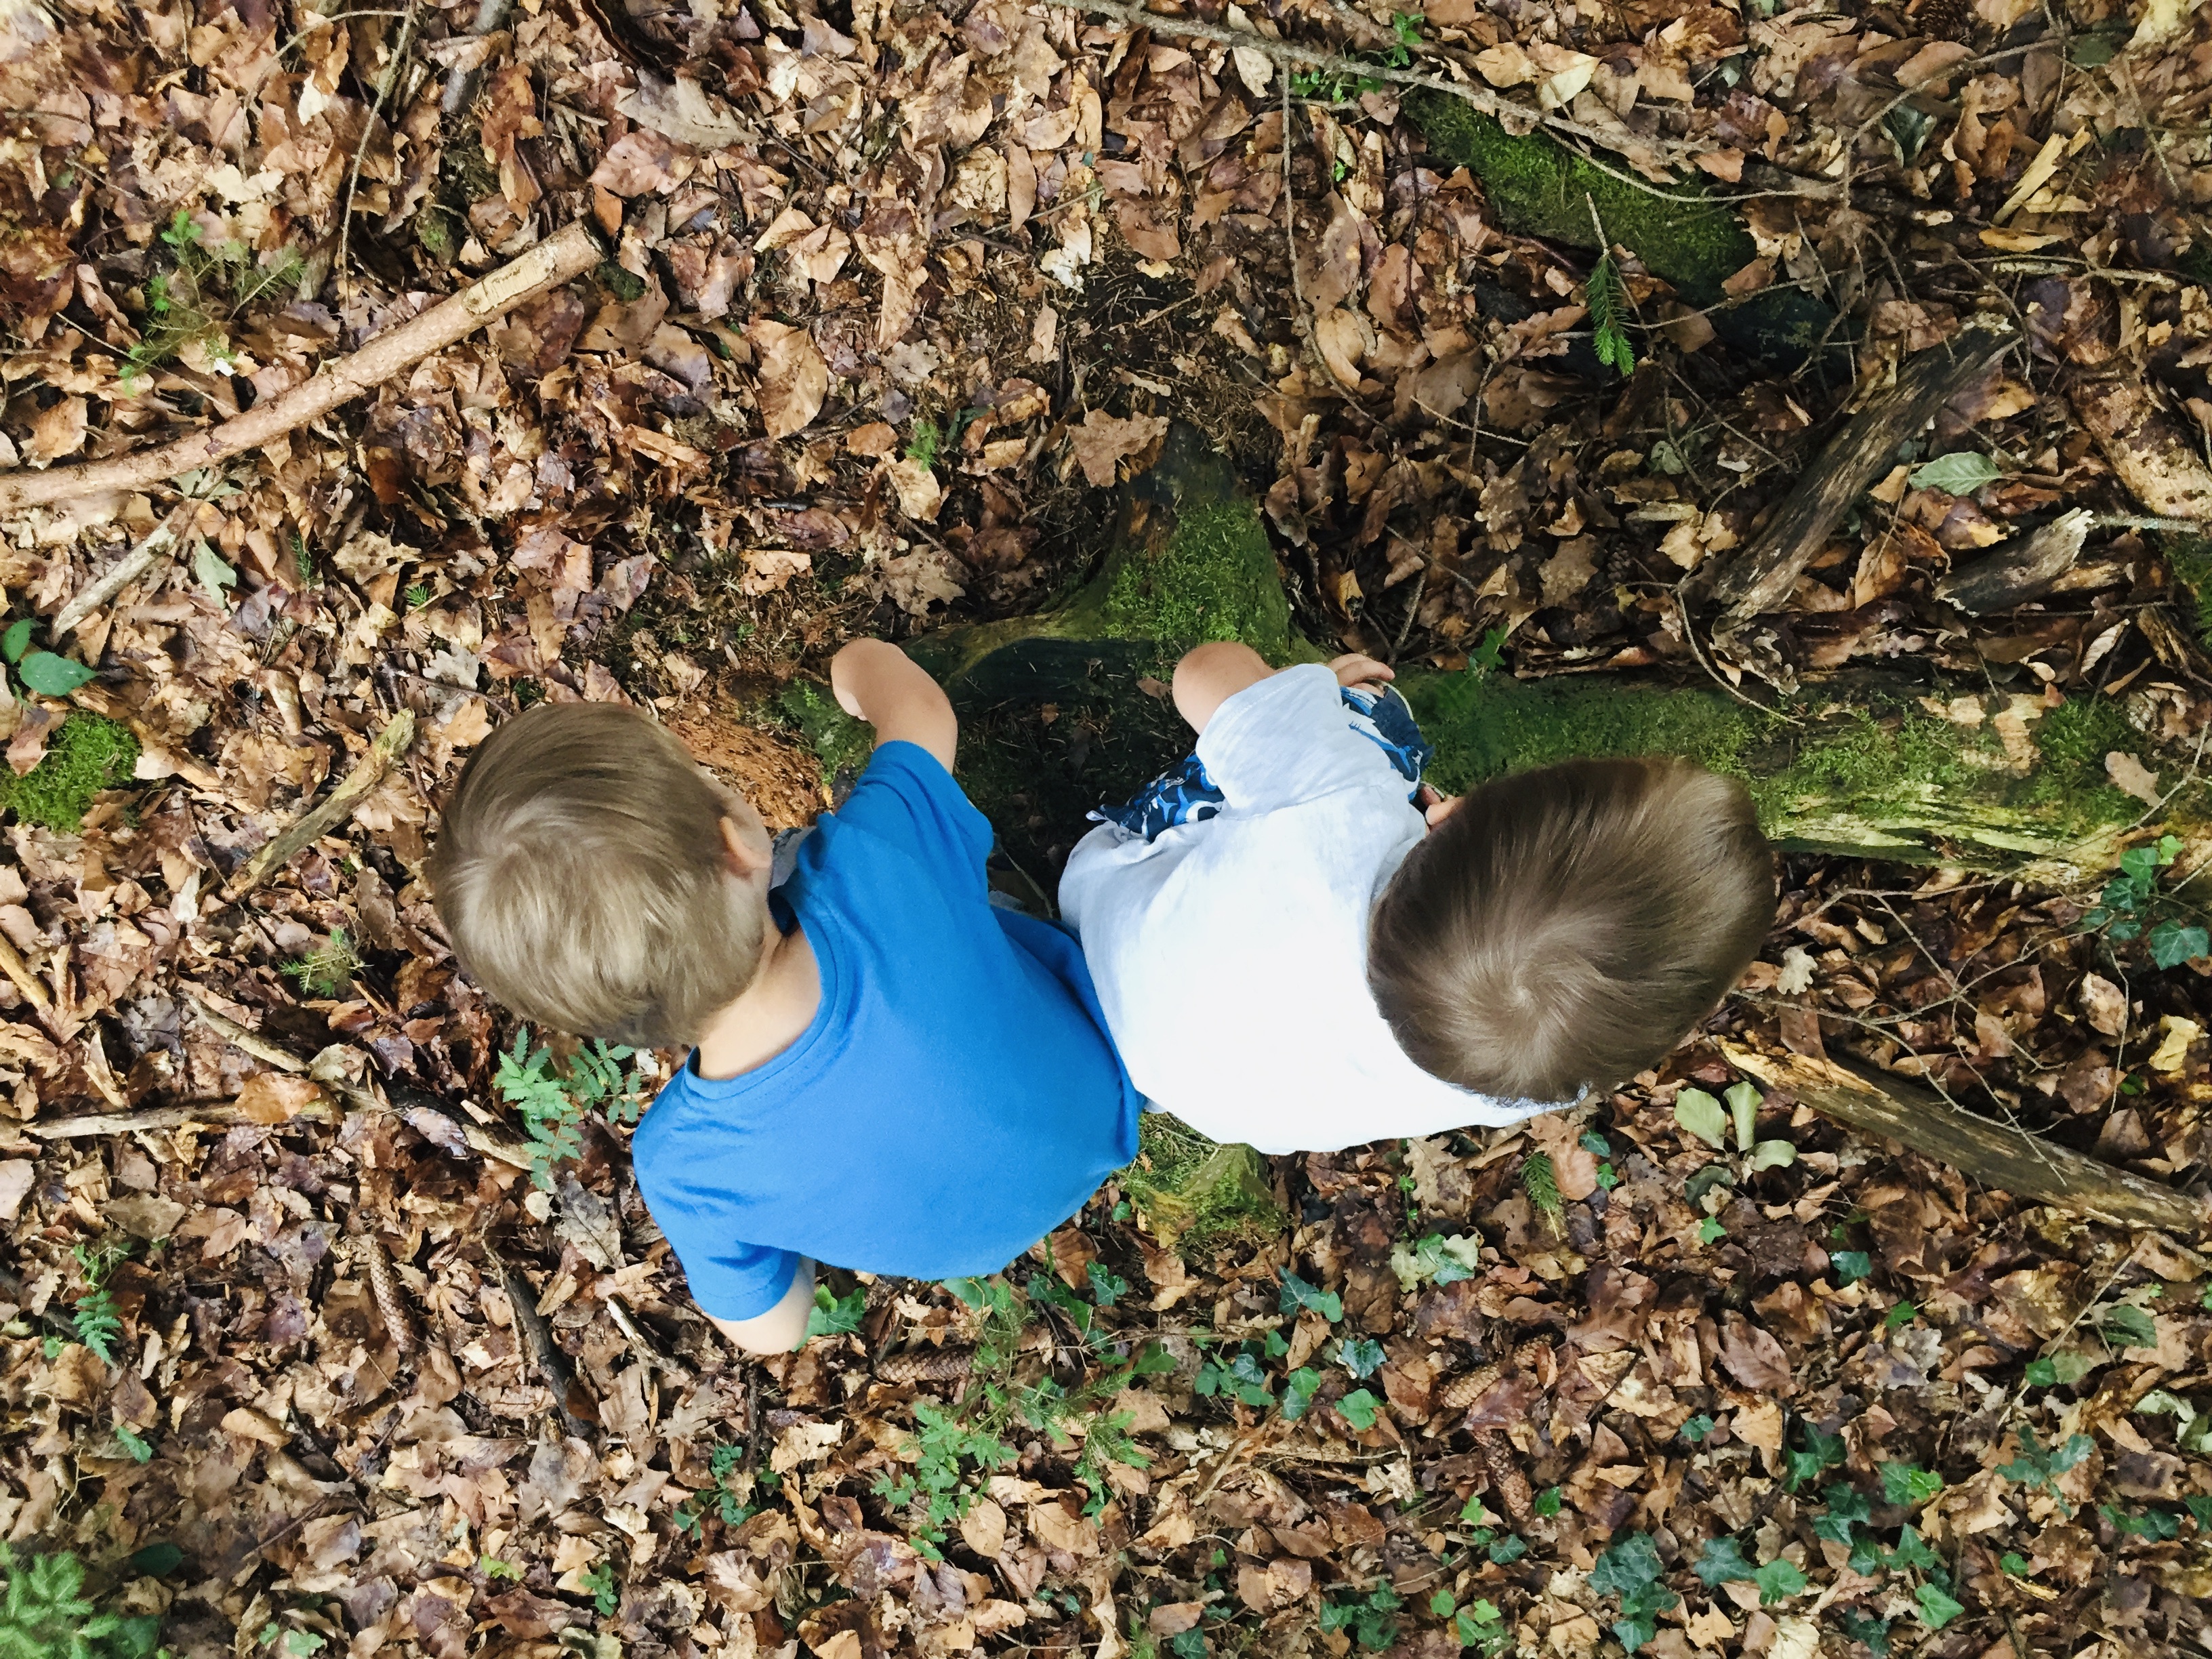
(925, 1365)
(1461, 1392)
(1947, 19)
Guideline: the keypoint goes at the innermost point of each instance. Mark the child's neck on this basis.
(772, 1014)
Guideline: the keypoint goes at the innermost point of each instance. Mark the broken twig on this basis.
(565, 254)
(311, 825)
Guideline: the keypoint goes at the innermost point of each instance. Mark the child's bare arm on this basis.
(783, 1326)
(876, 682)
(1209, 675)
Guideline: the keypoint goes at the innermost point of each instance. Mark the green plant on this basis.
(44, 672)
(836, 1316)
(1297, 1296)
(1540, 1179)
(494, 1568)
(731, 1491)
(1436, 1258)
(922, 442)
(1609, 311)
(1820, 1452)
(606, 1596)
(1630, 1568)
(554, 1106)
(1479, 1625)
(1367, 1617)
(1722, 1561)
(1703, 1115)
(200, 298)
(2038, 1467)
(2132, 902)
(952, 1460)
(46, 1611)
(97, 1324)
(326, 970)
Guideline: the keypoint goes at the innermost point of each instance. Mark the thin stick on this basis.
(1289, 53)
(216, 1114)
(538, 1337)
(123, 572)
(310, 826)
(567, 253)
(391, 79)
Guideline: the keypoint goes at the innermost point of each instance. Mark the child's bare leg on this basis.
(1209, 675)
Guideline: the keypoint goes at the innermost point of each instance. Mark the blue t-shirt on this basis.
(955, 1098)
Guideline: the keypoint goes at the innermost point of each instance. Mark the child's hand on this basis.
(1358, 669)
(875, 681)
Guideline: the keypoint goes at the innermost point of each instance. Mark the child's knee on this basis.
(1208, 673)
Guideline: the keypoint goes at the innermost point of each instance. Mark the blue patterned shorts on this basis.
(1186, 795)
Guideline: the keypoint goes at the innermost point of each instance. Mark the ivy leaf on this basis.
(1297, 1294)
(1710, 1230)
(1362, 1358)
(1778, 1580)
(1357, 1408)
(1298, 1390)
(1851, 1266)
(1908, 1485)
(1937, 1607)
(50, 676)
(1630, 1562)
(2172, 944)
(1696, 1428)
(1722, 1562)
(1959, 473)
(1703, 1116)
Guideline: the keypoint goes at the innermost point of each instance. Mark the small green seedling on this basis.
(2131, 903)
(1702, 1115)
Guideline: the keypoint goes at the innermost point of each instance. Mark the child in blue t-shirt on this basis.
(887, 1072)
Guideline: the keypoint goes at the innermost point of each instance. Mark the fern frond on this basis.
(1608, 312)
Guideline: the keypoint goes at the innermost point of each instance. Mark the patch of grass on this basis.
(2191, 559)
(1196, 1194)
(89, 754)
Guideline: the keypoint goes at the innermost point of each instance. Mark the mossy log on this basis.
(1871, 764)
(1539, 187)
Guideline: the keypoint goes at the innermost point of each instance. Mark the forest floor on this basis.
(298, 1355)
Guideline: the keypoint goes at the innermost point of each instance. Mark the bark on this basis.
(1994, 1153)
(560, 258)
(1762, 577)
(2157, 462)
(2022, 571)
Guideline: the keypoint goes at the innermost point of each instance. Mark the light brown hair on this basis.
(1565, 928)
(581, 873)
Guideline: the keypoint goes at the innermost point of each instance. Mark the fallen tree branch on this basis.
(537, 1336)
(1289, 53)
(1762, 578)
(310, 826)
(1982, 1150)
(565, 254)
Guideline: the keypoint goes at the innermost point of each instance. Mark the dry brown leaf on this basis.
(276, 1096)
(792, 377)
(1103, 441)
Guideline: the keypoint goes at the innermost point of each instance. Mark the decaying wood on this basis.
(312, 824)
(1992, 1153)
(2149, 452)
(1762, 578)
(561, 256)
(2020, 571)
(538, 1337)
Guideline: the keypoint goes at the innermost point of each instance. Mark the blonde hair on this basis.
(581, 873)
(1564, 928)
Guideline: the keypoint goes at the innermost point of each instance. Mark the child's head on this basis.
(1567, 926)
(588, 881)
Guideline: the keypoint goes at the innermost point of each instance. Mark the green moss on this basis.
(89, 754)
(2191, 559)
(1196, 1194)
(1540, 188)
(842, 743)
(1213, 580)
(1883, 777)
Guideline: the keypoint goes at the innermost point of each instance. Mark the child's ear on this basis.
(746, 853)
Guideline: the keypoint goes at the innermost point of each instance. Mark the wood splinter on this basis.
(325, 814)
